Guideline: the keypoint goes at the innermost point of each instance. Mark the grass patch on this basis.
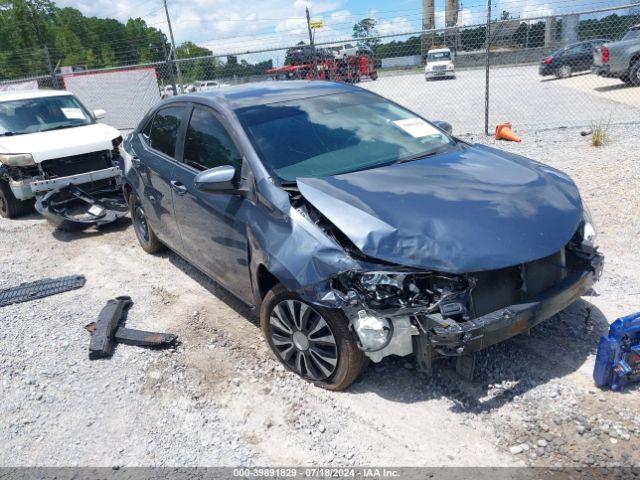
(600, 135)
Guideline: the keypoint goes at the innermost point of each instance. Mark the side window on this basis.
(207, 143)
(146, 131)
(164, 130)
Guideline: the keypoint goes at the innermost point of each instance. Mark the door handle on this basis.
(178, 187)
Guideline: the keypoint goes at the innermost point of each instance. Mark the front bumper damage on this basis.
(449, 327)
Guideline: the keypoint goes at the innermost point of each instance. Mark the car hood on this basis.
(472, 209)
(61, 143)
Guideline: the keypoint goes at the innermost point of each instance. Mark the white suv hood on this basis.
(61, 143)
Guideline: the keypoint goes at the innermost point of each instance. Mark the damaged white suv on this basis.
(49, 141)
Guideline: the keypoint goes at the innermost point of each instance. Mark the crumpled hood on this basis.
(61, 143)
(473, 209)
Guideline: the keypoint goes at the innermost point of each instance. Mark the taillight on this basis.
(547, 60)
(604, 54)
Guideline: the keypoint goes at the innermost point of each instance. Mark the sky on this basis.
(235, 26)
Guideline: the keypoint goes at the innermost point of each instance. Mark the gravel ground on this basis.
(220, 399)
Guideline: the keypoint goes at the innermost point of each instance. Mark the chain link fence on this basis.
(533, 72)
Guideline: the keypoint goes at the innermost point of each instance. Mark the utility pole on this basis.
(486, 68)
(313, 46)
(168, 62)
(173, 43)
(52, 71)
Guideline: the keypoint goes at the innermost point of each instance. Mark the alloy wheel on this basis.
(564, 71)
(303, 340)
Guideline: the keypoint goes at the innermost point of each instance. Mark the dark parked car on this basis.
(356, 227)
(576, 57)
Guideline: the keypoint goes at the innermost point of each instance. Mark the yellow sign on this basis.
(315, 24)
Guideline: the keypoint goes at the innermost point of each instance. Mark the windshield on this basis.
(438, 56)
(632, 34)
(41, 114)
(338, 133)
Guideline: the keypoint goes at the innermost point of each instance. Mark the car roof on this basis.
(26, 94)
(262, 93)
(439, 50)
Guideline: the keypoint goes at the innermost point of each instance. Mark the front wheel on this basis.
(10, 206)
(313, 342)
(145, 234)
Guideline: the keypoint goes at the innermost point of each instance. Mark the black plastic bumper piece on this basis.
(495, 327)
(106, 331)
(102, 341)
(40, 289)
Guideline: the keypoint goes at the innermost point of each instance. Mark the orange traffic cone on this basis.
(504, 132)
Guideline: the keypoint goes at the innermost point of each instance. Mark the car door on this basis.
(213, 226)
(155, 164)
(585, 56)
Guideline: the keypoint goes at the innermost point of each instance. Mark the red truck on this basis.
(349, 69)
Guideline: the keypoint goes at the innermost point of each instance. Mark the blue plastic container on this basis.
(618, 357)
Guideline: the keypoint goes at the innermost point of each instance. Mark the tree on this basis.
(365, 30)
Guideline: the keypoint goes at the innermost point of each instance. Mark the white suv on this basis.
(439, 64)
(49, 140)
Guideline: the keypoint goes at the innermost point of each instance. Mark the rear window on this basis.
(632, 34)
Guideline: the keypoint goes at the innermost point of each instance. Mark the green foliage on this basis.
(28, 28)
(365, 30)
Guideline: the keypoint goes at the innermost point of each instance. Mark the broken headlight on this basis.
(17, 159)
(588, 229)
(373, 332)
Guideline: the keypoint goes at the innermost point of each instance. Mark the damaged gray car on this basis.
(356, 227)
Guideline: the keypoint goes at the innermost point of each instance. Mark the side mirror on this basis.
(99, 113)
(218, 180)
(442, 125)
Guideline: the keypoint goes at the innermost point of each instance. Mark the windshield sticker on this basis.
(73, 113)
(416, 127)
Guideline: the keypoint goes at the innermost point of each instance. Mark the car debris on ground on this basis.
(106, 331)
(40, 289)
(72, 208)
(618, 357)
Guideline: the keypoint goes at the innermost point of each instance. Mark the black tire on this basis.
(144, 233)
(10, 206)
(634, 74)
(564, 71)
(350, 360)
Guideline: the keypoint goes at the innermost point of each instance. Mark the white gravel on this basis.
(220, 399)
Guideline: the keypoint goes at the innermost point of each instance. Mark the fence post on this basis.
(313, 47)
(486, 69)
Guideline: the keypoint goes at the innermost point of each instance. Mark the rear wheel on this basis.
(634, 74)
(313, 342)
(563, 71)
(10, 206)
(145, 234)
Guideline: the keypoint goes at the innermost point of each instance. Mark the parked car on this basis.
(576, 57)
(49, 139)
(357, 228)
(351, 50)
(167, 91)
(620, 59)
(209, 85)
(439, 64)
